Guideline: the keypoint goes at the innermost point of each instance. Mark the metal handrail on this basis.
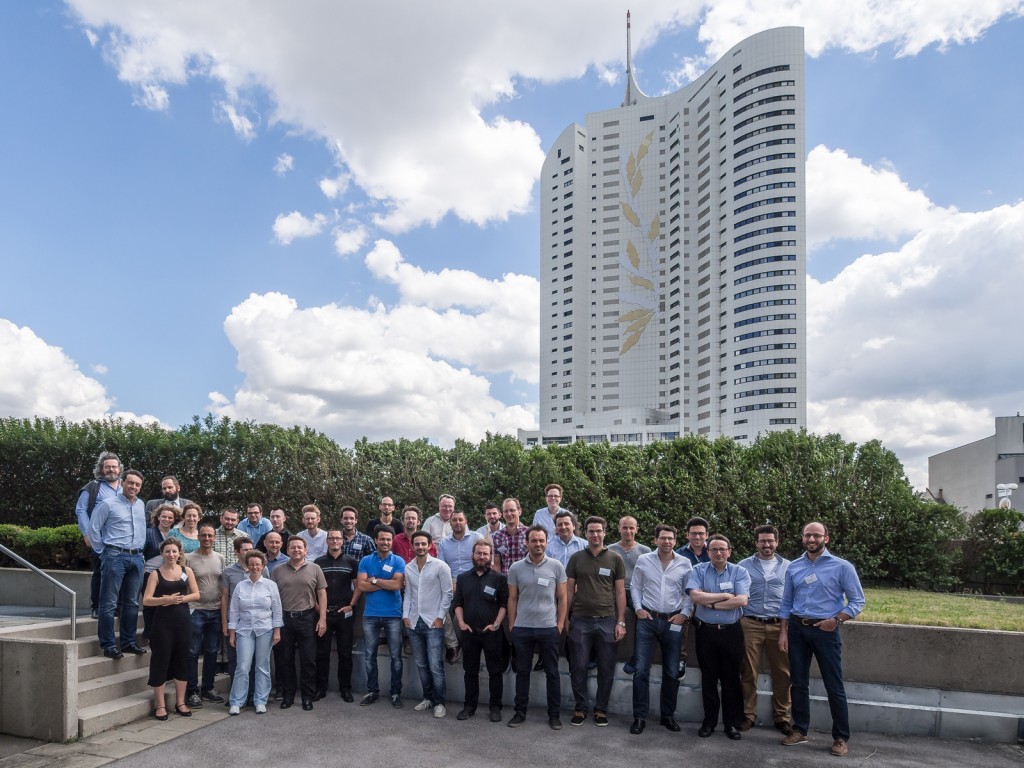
(74, 595)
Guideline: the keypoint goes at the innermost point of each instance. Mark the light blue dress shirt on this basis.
(116, 522)
(821, 588)
(765, 586)
(732, 580)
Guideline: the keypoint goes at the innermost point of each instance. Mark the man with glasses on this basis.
(545, 516)
(694, 550)
(106, 482)
(255, 525)
(387, 517)
(207, 619)
(340, 572)
(658, 586)
(720, 590)
(821, 592)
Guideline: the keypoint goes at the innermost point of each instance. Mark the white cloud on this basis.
(348, 241)
(243, 127)
(100, 369)
(847, 199)
(416, 369)
(288, 227)
(335, 188)
(41, 380)
(917, 346)
(285, 163)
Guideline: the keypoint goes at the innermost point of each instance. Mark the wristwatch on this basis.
(622, 624)
(373, 579)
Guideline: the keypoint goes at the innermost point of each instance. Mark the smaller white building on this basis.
(967, 476)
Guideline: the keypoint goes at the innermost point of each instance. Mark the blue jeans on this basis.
(545, 640)
(649, 632)
(120, 577)
(428, 650)
(827, 649)
(206, 634)
(252, 651)
(392, 626)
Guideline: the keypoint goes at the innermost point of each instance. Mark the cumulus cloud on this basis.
(285, 163)
(290, 226)
(350, 240)
(415, 369)
(336, 187)
(243, 127)
(846, 198)
(924, 335)
(41, 380)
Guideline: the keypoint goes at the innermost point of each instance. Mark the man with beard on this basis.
(386, 507)
(340, 571)
(355, 544)
(170, 489)
(381, 578)
(106, 482)
(224, 542)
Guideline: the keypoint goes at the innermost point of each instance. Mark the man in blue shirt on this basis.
(106, 482)
(381, 578)
(821, 592)
(761, 625)
(255, 525)
(720, 590)
(117, 532)
(696, 552)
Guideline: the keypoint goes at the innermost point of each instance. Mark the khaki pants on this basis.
(757, 636)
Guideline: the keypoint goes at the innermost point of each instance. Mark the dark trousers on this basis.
(341, 628)
(94, 582)
(298, 632)
(587, 634)
(544, 640)
(720, 654)
(491, 644)
(827, 649)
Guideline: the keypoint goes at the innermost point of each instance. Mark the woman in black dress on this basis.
(169, 590)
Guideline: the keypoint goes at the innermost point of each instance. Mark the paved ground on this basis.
(338, 733)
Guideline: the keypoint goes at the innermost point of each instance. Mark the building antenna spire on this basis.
(630, 97)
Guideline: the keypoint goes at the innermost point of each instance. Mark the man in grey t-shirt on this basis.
(536, 615)
(629, 550)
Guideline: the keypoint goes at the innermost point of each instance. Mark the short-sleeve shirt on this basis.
(536, 585)
(382, 602)
(208, 570)
(299, 586)
(595, 582)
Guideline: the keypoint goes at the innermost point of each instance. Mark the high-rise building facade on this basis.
(673, 258)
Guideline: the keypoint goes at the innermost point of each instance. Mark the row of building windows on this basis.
(762, 304)
(764, 377)
(766, 361)
(758, 73)
(765, 260)
(765, 246)
(763, 102)
(763, 348)
(766, 332)
(760, 174)
(762, 392)
(765, 188)
(762, 407)
(762, 275)
(764, 217)
(764, 87)
(764, 231)
(765, 159)
(764, 116)
(765, 289)
(765, 129)
(765, 319)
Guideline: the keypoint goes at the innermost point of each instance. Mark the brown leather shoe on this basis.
(839, 748)
(783, 727)
(746, 725)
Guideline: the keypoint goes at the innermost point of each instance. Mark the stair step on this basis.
(92, 667)
(134, 706)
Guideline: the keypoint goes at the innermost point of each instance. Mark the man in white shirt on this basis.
(315, 538)
(428, 596)
(439, 525)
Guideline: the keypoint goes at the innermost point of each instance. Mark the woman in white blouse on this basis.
(254, 628)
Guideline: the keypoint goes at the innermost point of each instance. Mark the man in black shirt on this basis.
(340, 571)
(481, 597)
(387, 517)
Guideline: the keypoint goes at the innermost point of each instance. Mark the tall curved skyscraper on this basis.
(673, 258)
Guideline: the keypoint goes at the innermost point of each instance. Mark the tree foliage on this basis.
(785, 478)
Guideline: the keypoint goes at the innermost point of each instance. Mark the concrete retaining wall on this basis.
(20, 586)
(39, 680)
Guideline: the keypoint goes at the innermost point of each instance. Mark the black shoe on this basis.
(600, 719)
(539, 666)
(278, 695)
(368, 699)
(212, 696)
(670, 723)
(307, 705)
(286, 704)
(194, 702)
(638, 726)
(733, 733)
(346, 695)
(396, 701)
(181, 709)
(466, 713)
(495, 716)
(113, 653)
(578, 718)
(517, 719)
(134, 650)
(555, 723)
(705, 731)
(682, 671)
(321, 694)
(94, 614)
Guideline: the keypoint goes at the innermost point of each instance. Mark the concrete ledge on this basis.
(20, 586)
(39, 681)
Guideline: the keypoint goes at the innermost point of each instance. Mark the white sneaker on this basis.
(261, 709)
(234, 710)
(423, 706)
(440, 711)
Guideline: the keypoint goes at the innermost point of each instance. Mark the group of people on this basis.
(506, 592)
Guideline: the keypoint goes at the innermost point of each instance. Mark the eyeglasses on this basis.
(718, 549)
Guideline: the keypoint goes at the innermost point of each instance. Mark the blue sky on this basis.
(319, 215)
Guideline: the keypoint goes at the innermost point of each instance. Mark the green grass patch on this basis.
(933, 609)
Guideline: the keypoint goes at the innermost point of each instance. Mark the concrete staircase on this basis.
(110, 692)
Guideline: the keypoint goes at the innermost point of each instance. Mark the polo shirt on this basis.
(383, 602)
(537, 607)
(299, 586)
(595, 577)
(340, 573)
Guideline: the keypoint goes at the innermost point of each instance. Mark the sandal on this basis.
(182, 710)
(160, 717)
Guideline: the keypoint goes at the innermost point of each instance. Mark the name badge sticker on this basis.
(488, 590)
(388, 568)
(675, 627)
(543, 582)
(810, 579)
(604, 571)
(348, 614)
(726, 585)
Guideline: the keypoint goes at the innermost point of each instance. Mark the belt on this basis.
(764, 619)
(709, 625)
(299, 614)
(660, 615)
(124, 551)
(806, 621)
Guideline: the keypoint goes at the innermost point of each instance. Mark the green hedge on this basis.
(48, 548)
